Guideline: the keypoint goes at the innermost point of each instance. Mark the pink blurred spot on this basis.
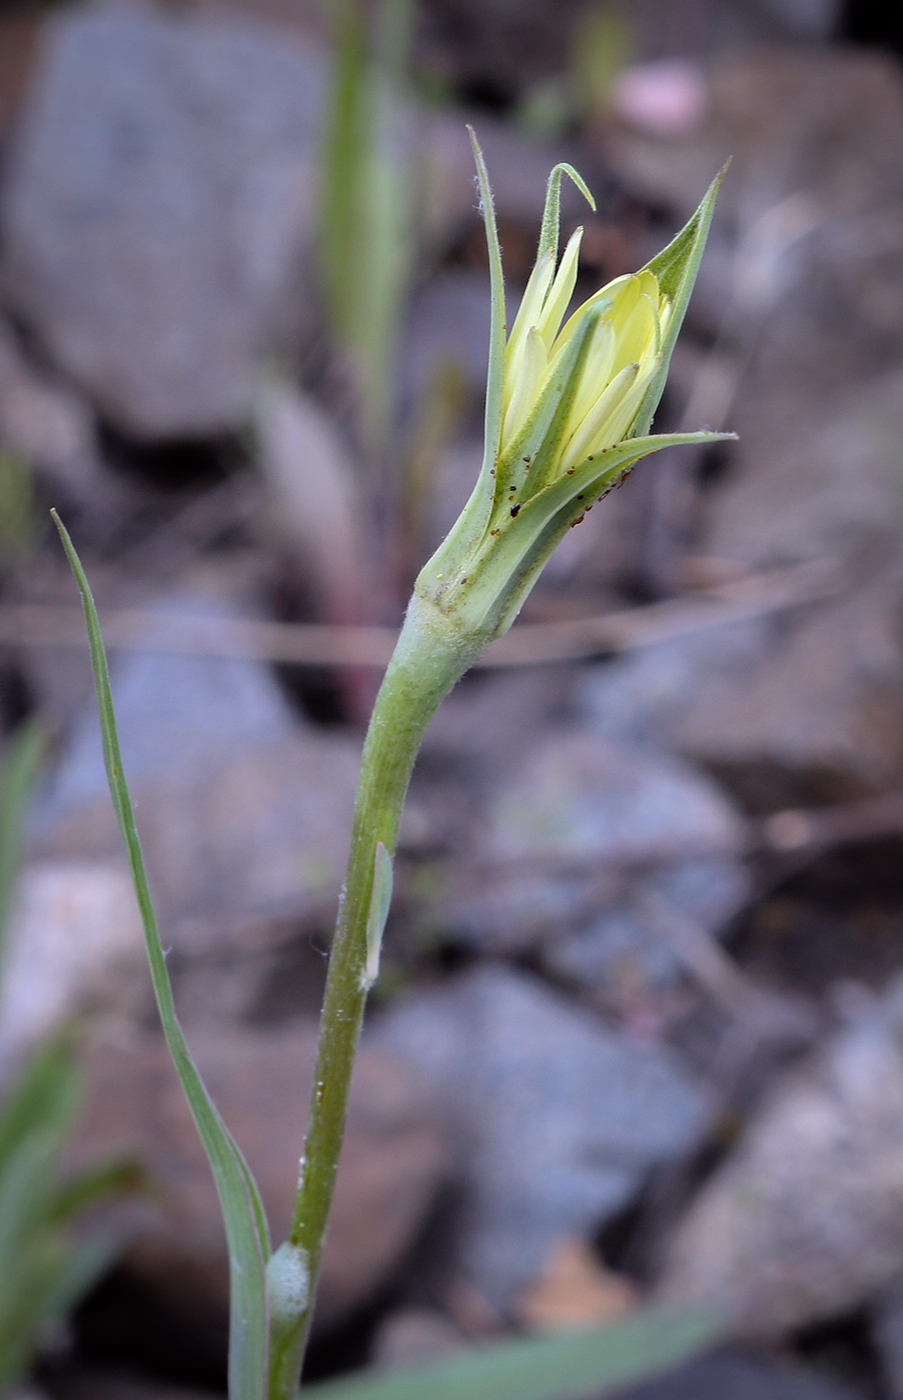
(666, 98)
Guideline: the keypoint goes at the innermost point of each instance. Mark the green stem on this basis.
(427, 662)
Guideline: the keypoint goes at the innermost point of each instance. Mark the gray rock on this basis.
(740, 1377)
(410, 1336)
(804, 1221)
(557, 1119)
(51, 426)
(74, 943)
(576, 797)
(816, 688)
(158, 201)
(622, 941)
(887, 1335)
(579, 836)
(839, 485)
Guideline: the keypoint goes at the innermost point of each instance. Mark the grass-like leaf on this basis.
(20, 769)
(243, 1213)
(568, 1366)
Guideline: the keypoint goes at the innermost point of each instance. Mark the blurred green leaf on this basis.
(567, 1366)
(366, 200)
(17, 778)
(17, 512)
(44, 1268)
(243, 1214)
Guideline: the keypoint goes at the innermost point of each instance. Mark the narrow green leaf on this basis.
(45, 1093)
(469, 528)
(676, 267)
(112, 1177)
(497, 327)
(20, 769)
(242, 1208)
(567, 1366)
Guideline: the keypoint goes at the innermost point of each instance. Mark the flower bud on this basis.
(568, 411)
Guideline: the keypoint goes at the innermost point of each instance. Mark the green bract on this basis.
(568, 410)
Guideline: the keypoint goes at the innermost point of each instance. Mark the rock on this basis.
(741, 1377)
(18, 41)
(49, 425)
(575, 1290)
(628, 942)
(576, 798)
(392, 1161)
(804, 1220)
(480, 726)
(159, 200)
(838, 486)
(819, 688)
(74, 943)
(578, 837)
(411, 1336)
(887, 1336)
(557, 1120)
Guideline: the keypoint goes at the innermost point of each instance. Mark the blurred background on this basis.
(639, 1029)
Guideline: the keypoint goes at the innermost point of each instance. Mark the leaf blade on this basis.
(564, 1367)
(676, 267)
(243, 1213)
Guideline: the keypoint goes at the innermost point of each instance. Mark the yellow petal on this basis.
(594, 428)
(525, 390)
(562, 290)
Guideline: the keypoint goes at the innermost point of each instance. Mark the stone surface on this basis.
(625, 943)
(74, 943)
(579, 835)
(575, 1290)
(556, 1119)
(839, 486)
(820, 687)
(887, 1336)
(392, 1161)
(158, 202)
(411, 1336)
(49, 425)
(804, 1221)
(741, 1377)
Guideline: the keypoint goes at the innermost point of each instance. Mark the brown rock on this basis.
(391, 1164)
(575, 1290)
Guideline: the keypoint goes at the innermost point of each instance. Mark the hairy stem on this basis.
(428, 660)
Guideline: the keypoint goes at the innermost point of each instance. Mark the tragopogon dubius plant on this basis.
(569, 406)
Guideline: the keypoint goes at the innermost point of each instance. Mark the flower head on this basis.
(568, 411)
(620, 331)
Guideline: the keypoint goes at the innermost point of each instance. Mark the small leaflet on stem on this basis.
(380, 899)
